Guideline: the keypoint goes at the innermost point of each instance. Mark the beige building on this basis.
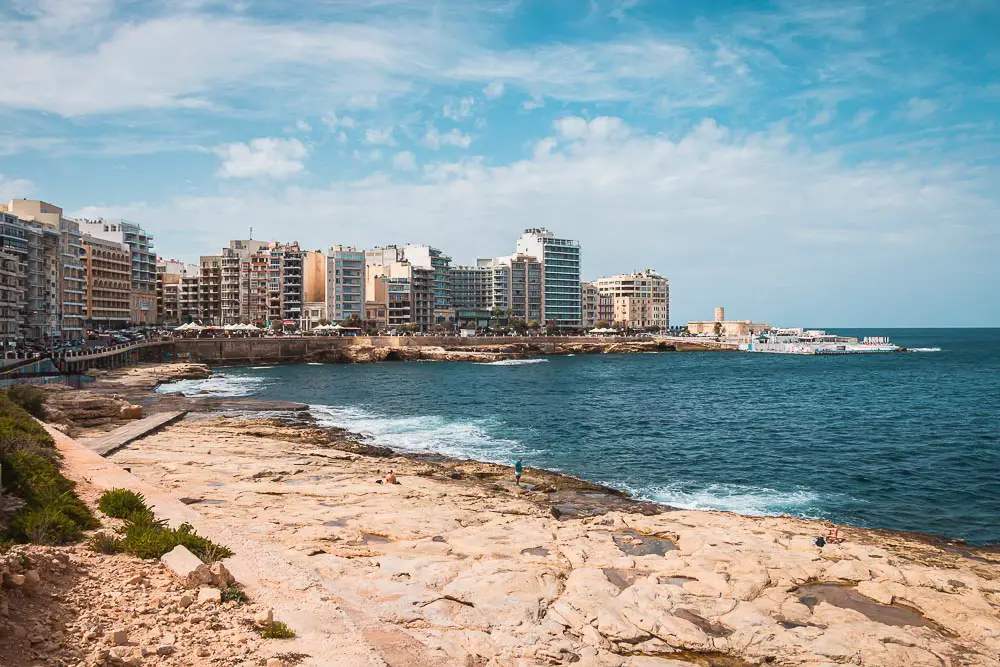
(142, 257)
(177, 294)
(726, 328)
(109, 272)
(210, 289)
(404, 290)
(637, 300)
(64, 289)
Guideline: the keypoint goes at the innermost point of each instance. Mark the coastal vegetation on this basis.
(48, 511)
(145, 536)
(29, 397)
(277, 630)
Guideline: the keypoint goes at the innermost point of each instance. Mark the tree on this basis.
(353, 322)
(533, 325)
(323, 322)
(602, 324)
(718, 328)
(518, 324)
(551, 327)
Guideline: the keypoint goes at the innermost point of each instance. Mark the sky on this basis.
(801, 163)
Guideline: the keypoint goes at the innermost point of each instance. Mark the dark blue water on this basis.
(904, 441)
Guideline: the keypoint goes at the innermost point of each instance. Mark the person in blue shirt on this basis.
(518, 469)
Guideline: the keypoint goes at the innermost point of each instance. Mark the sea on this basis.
(905, 441)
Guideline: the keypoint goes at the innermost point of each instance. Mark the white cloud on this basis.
(265, 157)
(824, 117)
(14, 188)
(303, 126)
(434, 139)
(333, 122)
(363, 101)
(380, 136)
(367, 157)
(494, 90)
(862, 118)
(536, 102)
(602, 128)
(767, 209)
(404, 161)
(918, 108)
(230, 58)
(462, 110)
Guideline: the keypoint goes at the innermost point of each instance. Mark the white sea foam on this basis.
(747, 500)
(261, 368)
(216, 385)
(314, 363)
(513, 362)
(460, 439)
(924, 349)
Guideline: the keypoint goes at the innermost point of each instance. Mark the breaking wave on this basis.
(740, 499)
(228, 386)
(513, 362)
(467, 439)
(924, 349)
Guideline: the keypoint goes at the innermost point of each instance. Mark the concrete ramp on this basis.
(114, 440)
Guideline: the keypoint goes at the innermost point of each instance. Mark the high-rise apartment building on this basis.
(345, 283)
(560, 259)
(472, 287)
(210, 289)
(588, 304)
(109, 281)
(425, 258)
(62, 266)
(235, 279)
(142, 263)
(177, 292)
(640, 300)
(24, 240)
(517, 286)
(406, 291)
(11, 291)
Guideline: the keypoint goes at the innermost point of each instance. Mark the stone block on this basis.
(187, 567)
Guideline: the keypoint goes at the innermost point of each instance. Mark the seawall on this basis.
(291, 349)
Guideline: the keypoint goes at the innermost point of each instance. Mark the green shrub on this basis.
(52, 513)
(44, 525)
(233, 594)
(30, 398)
(145, 536)
(277, 630)
(200, 546)
(105, 543)
(121, 503)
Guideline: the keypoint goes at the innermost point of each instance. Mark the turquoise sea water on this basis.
(905, 441)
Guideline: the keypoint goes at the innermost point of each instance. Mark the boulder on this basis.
(187, 567)
(130, 411)
(222, 577)
(264, 618)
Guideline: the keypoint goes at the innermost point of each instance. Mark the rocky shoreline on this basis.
(458, 566)
(438, 348)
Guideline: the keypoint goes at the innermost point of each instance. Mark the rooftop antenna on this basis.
(251, 232)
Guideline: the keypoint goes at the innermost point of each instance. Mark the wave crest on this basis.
(226, 386)
(512, 362)
(737, 498)
(466, 439)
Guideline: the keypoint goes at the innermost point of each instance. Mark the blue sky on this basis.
(798, 162)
